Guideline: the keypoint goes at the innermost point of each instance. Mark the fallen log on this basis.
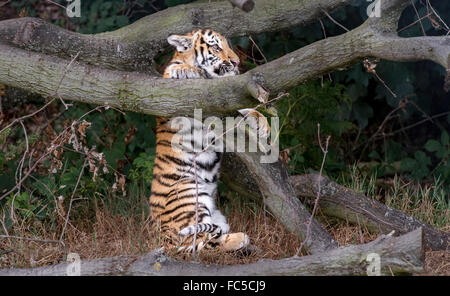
(393, 256)
(269, 180)
(344, 203)
(337, 201)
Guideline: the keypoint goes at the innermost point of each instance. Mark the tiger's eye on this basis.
(216, 47)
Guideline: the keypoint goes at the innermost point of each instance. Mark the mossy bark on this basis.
(133, 47)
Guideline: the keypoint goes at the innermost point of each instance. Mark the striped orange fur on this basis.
(176, 185)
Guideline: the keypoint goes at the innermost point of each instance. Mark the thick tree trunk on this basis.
(335, 201)
(279, 197)
(397, 255)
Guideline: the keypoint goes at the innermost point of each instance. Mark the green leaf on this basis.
(408, 164)
(422, 158)
(432, 146)
(362, 112)
(444, 138)
(374, 155)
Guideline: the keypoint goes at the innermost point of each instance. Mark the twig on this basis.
(413, 23)
(334, 21)
(49, 152)
(26, 175)
(418, 17)
(206, 148)
(57, 4)
(437, 15)
(49, 102)
(6, 2)
(324, 36)
(19, 171)
(62, 78)
(386, 119)
(242, 119)
(415, 124)
(196, 209)
(316, 202)
(27, 116)
(257, 47)
(370, 67)
(71, 200)
(361, 238)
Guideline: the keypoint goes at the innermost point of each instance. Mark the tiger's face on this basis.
(206, 50)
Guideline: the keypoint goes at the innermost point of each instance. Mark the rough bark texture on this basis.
(41, 73)
(335, 201)
(278, 195)
(134, 47)
(341, 202)
(399, 255)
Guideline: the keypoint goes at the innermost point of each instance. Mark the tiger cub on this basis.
(176, 183)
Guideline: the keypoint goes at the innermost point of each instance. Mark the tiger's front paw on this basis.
(257, 122)
(183, 71)
(258, 126)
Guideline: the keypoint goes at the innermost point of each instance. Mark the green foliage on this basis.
(417, 166)
(308, 105)
(349, 107)
(143, 168)
(101, 16)
(22, 204)
(171, 3)
(426, 202)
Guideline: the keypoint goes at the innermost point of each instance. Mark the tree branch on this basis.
(34, 55)
(399, 255)
(132, 48)
(40, 73)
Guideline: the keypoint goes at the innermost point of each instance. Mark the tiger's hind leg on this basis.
(228, 242)
(210, 236)
(233, 241)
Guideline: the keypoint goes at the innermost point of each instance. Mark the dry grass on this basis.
(437, 263)
(107, 235)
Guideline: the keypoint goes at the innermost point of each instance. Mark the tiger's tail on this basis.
(201, 228)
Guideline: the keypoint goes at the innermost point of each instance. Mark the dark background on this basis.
(351, 105)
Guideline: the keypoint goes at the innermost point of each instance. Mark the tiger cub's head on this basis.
(206, 50)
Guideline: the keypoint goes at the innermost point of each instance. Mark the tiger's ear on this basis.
(182, 42)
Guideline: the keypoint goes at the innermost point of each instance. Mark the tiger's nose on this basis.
(235, 62)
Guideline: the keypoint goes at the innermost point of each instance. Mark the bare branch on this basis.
(168, 97)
